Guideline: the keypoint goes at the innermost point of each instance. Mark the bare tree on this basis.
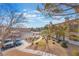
(11, 18)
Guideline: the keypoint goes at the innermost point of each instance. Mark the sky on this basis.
(33, 16)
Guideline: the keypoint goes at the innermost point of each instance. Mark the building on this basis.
(13, 32)
(72, 30)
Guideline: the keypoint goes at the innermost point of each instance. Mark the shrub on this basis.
(53, 42)
(64, 44)
(75, 52)
(58, 41)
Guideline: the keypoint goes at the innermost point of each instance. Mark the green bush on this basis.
(59, 41)
(64, 44)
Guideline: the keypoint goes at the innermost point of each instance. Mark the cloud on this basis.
(30, 15)
(31, 11)
(46, 21)
(31, 20)
(36, 11)
(24, 9)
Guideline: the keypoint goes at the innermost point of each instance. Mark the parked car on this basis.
(10, 44)
(7, 40)
(18, 43)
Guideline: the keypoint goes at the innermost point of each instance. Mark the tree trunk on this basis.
(13, 39)
(63, 37)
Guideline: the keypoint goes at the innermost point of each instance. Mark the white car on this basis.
(8, 43)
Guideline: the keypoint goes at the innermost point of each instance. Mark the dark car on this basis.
(18, 42)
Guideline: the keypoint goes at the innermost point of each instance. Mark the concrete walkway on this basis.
(38, 39)
(72, 42)
(36, 52)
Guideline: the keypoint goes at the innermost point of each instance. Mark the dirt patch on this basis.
(53, 48)
(17, 53)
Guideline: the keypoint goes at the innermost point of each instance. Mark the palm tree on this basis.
(56, 30)
(48, 33)
(63, 32)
